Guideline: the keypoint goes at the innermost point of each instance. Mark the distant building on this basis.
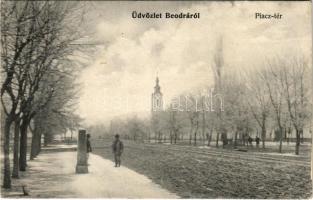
(157, 98)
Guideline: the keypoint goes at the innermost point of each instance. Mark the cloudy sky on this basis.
(121, 75)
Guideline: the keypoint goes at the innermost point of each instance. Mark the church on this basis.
(157, 97)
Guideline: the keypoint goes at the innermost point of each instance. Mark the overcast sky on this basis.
(121, 75)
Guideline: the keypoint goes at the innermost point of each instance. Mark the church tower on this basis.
(157, 97)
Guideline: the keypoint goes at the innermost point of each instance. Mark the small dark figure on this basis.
(117, 148)
(88, 144)
(25, 190)
(224, 139)
(257, 141)
(250, 140)
(88, 147)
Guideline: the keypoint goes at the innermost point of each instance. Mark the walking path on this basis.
(53, 175)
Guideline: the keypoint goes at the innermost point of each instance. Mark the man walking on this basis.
(117, 148)
(88, 146)
(257, 141)
(250, 140)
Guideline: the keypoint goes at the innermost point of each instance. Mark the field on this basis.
(195, 172)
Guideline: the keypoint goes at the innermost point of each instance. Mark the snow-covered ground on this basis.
(53, 175)
(60, 146)
(204, 147)
(283, 154)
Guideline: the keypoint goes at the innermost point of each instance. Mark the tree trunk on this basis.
(203, 138)
(171, 137)
(6, 152)
(235, 142)
(210, 138)
(23, 146)
(203, 127)
(35, 146)
(72, 135)
(297, 142)
(217, 138)
(160, 138)
(15, 173)
(175, 137)
(285, 132)
(224, 139)
(195, 134)
(263, 137)
(289, 133)
(45, 139)
(302, 136)
(280, 139)
(195, 139)
(242, 139)
(38, 145)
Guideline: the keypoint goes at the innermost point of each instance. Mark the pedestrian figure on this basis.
(257, 141)
(224, 139)
(88, 146)
(250, 140)
(117, 148)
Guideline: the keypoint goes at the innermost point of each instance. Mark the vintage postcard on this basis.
(156, 99)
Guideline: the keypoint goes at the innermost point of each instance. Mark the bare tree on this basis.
(259, 103)
(193, 114)
(217, 69)
(236, 118)
(59, 105)
(270, 75)
(295, 84)
(17, 33)
(286, 83)
(49, 52)
(174, 123)
(33, 40)
(210, 125)
(156, 126)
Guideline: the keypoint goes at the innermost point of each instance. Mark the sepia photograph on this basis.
(156, 99)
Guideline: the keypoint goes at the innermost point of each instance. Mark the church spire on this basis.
(157, 97)
(157, 88)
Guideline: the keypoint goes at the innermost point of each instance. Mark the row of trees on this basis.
(274, 97)
(38, 90)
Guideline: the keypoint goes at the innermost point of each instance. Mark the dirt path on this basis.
(53, 175)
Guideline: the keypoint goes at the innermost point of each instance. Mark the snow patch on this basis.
(53, 175)
(204, 147)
